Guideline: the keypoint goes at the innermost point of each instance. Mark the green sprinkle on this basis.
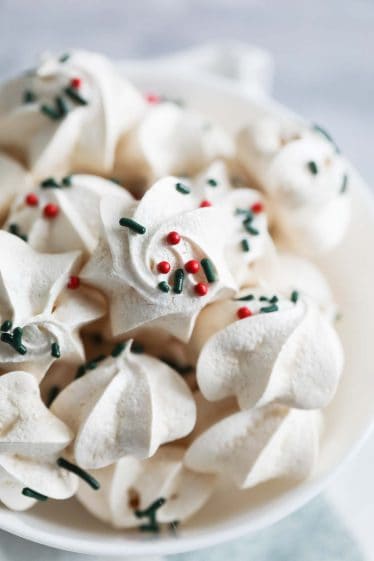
(64, 57)
(92, 364)
(313, 168)
(55, 350)
(263, 299)
(118, 349)
(14, 340)
(155, 528)
(269, 309)
(212, 182)
(208, 268)
(163, 286)
(153, 507)
(67, 180)
(132, 225)
(250, 229)
(344, 186)
(81, 370)
(115, 180)
(50, 112)
(245, 298)
(274, 299)
(53, 393)
(182, 188)
(61, 106)
(75, 96)
(50, 183)
(91, 481)
(178, 281)
(248, 213)
(6, 325)
(245, 245)
(327, 135)
(14, 229)
(28, 96)
(137, 348)
(34, 495)
(294, 296)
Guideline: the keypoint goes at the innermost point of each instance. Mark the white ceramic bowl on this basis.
(350, 270)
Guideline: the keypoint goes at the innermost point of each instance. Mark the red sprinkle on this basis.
(201, 288)
(192, 266)
(163, 267)
(31, 199)
(204, 204)
(257, 207)
(173, 238)
(76, 83)
(243, 312)
(74, 282)
(50, 210)
(152, 98)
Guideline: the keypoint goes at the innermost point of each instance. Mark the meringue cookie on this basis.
(40, 322)
(14, 179)
(267, 350)
(251, 447)
(304, 177)
(133, 484)
(31, 440)
(170, 140)
(77, 224)
(130, 404)
(68, 114)
(163, 226)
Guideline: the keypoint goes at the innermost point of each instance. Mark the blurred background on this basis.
(323, 49)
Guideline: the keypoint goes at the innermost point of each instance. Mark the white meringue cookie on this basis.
(14, 179)
(46, 319)
(130, 404)
(170, 140)
(75, 131)
(77, 225)
(124, 266)
(304, 177)
(251, 447)
(284, 352)
(31, 440)
(133, 484)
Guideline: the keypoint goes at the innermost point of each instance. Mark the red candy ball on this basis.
(173, 238)
(76, 83)
(243, 312)
(163, 267)
(201, 288)
(31, 199)
(152, 98)
(192, 266)
(204, 204)
(51, 211)
(74, 282)
(257, 207)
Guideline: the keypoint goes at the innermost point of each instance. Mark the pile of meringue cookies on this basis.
(163, 330)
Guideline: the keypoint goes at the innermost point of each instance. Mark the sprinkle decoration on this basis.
(201, 288)
(205, 204)
(209, 270)
(14, 339)
(173, 238)
(250, 229)
(118, 349)
(6, 325)
(257, 208)
(89, 479)
(344, 186)
(50, 112)
(63, 58)
(152, 98)
(269, 309)
(137, 348)
(178, 281)
(181, 188)
(245, 298)
(55, 350)
(243, 312)
(62, 107)
(27, 492)
(32, 199)
(294, 296)
(163, 267)
(74, 282)
(132, 225)
(151, 514)
(245, 245)
(164, 287)
(51, 210)
(273, 299)
(192, 266)
(67, 181)
(28, 96)
(15, 230)
(73, 94)
(313, 168)
(212, 182)
(92, 364)
(52, 394)
(76, 83)
(50, 183)
(327, 136)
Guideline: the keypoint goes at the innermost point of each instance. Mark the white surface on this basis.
(234, 514)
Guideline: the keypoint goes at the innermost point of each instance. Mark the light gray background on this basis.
(323, 49)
